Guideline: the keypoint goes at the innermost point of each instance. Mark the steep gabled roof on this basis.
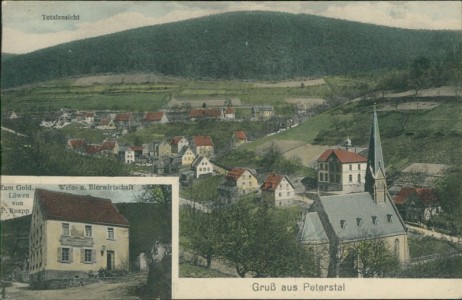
(108, 145)
(184, 149)
(153, 116)
(229, 110)
(77, 143)
(426, 195)
(272, 181)
(352, 216)
(202, 140)
(198, 160)
(240, 135)
(123, 117)
(236, 173)
(205, 113)
(78, 208)
(312, 230)
(176, 140)
(343, 156)
(105, 122)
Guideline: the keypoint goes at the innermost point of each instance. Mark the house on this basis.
(186, 156)
(205, 114)
(229, 113)
(92, 149)
(203, 145)
(73, 235)
(162, 149)
(132, 153)
(155, 117)
(277, 190)
(148, 150)
(417, 204)
(124, 120)
(90, 117)
(341, 170)
(109, 148)
(239, 182)
(106, 124)
(178, 142)
(239, 137)
(202, 166)
(13, 115)
(262, 111)
(336, 226)
(76, 144)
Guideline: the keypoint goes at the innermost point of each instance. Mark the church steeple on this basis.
(375, 172)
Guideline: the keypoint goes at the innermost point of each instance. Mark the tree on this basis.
(159, 276)
(204, 105)
(261, 241)
(449, 192)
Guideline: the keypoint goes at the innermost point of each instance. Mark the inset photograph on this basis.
(68, 238)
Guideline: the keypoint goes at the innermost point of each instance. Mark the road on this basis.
(434, 234)
(196, 205)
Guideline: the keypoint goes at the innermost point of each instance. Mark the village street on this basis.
(100, 290)
(434, 234)
(193, 204)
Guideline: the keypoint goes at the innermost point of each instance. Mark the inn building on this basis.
(72, 236)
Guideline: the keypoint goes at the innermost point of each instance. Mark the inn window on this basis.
(359, 177)
(351, 167)
(88, 231)
(65, 254)
(88, 256)
(350, 178)
(110, 233)
(359, 166)
(65, 228)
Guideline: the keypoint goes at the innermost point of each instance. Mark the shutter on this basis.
(58, 255)
(71, 254)
(82, 255)
(93, 256)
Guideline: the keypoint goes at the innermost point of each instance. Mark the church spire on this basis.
(375, 165)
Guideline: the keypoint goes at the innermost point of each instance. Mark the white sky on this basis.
(24, 30)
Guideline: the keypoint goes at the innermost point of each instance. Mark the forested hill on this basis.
(238, 45)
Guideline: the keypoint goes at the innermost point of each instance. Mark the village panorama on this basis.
(341, 173)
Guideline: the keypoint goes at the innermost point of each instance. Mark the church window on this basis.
(396, 247)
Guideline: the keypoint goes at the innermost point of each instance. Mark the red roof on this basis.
(176, 140)
(92, 149)
(108, 145)
(271, 182)
(123, 117)
(89, 114)
(240, 135)
(105, 122)
(77, 143)
(154, 116)
(205, 113)
(229, 110)
(136, 148)
(343, 156)
(78, 208)
(235, 173)
(202, 140)
(426, 195)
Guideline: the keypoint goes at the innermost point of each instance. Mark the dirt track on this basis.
(97, 291)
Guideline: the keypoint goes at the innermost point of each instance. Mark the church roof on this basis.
(356, 216)
(375, 161)
(78, 208)
(343, 156)
(312, 230)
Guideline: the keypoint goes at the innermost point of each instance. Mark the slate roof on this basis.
(343, 156)
(202, 140)
(184, 149)
(78, 208)
(360, 208)
(312, 230)
(197, 161)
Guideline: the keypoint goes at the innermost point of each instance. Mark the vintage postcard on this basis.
(223, 149)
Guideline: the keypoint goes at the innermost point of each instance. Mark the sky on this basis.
(25, 27)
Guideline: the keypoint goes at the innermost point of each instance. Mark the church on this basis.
(337, 226)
